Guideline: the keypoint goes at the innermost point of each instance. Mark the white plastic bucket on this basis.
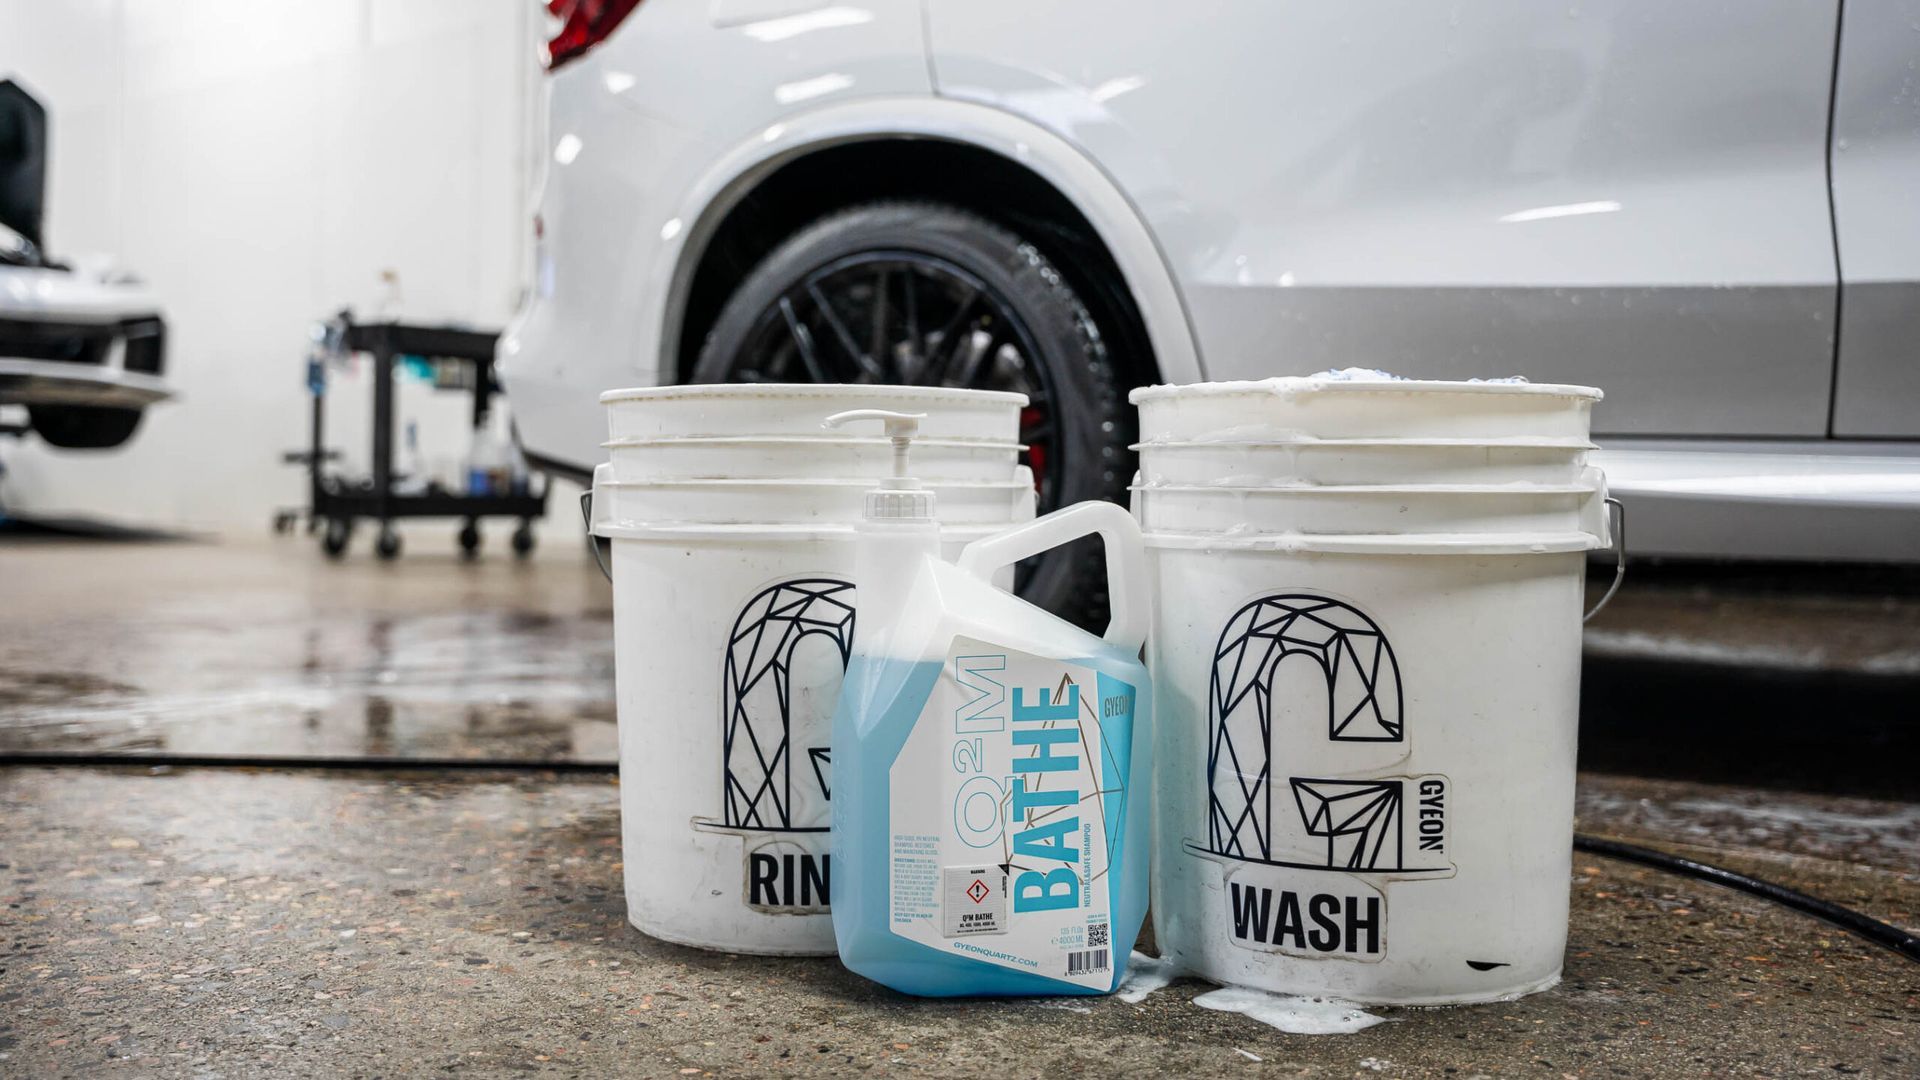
(796, 502)
(1370, 510)
(730, 515)
(1334, 408)
(1367, 694)
(729, 646)
(1351, 461)
(824, 457)
(1417, 853)
(774, 409)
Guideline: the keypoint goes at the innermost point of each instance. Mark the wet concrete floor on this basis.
(254, 922)
(268, 649)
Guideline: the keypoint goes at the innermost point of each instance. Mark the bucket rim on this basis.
(953, 443)
(810, 483)
(695, 530)
(1300, 385)
(1518, 487)
(1517, 442)
(804, 391)
(1559, 543)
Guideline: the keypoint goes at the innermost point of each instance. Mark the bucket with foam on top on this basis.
(1367, 681)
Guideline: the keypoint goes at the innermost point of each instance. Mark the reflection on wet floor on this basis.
(305, 658)
(266, 649)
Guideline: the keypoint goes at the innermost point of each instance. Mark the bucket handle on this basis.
(593, 542)
(1129, 596)
(1617, 513)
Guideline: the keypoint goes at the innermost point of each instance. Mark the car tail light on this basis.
(583, 24)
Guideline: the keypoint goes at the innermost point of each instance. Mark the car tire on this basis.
(1089, 431)
(83, 427)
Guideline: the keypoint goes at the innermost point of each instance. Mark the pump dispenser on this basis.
(990, 759)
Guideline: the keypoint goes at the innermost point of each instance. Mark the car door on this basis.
(1627, 194)
(1876, 218)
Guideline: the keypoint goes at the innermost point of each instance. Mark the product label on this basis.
(1008, 801)
(1310, 802)
(1302, 913)
(780, 673)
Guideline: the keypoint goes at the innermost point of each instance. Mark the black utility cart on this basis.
(335, 501)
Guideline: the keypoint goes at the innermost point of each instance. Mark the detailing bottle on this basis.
(990, 759)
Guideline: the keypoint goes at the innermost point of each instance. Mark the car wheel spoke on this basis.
(803, 341)
(882, 356)
(843, 334)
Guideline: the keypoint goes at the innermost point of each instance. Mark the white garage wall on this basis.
(261, 164)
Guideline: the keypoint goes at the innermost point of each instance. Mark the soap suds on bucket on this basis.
(1356, 374)
(1293, 1015)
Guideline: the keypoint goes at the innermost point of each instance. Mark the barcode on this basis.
(1089, 960)
(1097, 934)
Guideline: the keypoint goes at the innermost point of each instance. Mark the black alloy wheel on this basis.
(925, 294)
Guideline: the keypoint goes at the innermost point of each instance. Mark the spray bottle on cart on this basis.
(991, 760)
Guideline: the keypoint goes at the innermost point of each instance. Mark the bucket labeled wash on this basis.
(1365, 461)
(1365, 405)
(733, 625)
(1364, 766)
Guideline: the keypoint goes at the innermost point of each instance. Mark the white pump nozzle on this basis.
(900, 496)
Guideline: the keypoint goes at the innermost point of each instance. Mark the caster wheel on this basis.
(334, 543)
(388, 546)
(282, 524)
(469, 540)
(523, 540)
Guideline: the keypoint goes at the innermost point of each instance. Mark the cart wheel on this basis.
(388, 546)
(283, 522)
(469, 539)
(523, 539)
(334, 543)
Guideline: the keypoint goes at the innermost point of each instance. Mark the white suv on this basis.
(1708, 211)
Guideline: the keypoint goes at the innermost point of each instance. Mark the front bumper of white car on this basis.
(113, 364)
(79, 338)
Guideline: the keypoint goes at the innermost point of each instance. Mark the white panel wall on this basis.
(261, 164)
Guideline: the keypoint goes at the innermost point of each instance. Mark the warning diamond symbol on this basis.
(978, 890)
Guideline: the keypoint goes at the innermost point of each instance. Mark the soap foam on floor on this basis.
(1145, 974)
(1291, 1014)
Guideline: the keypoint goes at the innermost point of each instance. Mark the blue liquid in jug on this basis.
(895, 691)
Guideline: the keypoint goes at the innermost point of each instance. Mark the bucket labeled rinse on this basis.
(799, 502)
(777, 457)
(765, 410)
(733, 624)
(1365, 757)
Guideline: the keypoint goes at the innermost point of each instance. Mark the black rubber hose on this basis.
(1847, 919)
(1868, 929)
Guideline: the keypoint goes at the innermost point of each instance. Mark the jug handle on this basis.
(1127, 591)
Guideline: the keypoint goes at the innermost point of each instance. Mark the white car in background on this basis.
(1708, 210)
(82, 348)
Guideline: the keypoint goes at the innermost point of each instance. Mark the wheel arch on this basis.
(883, 141)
